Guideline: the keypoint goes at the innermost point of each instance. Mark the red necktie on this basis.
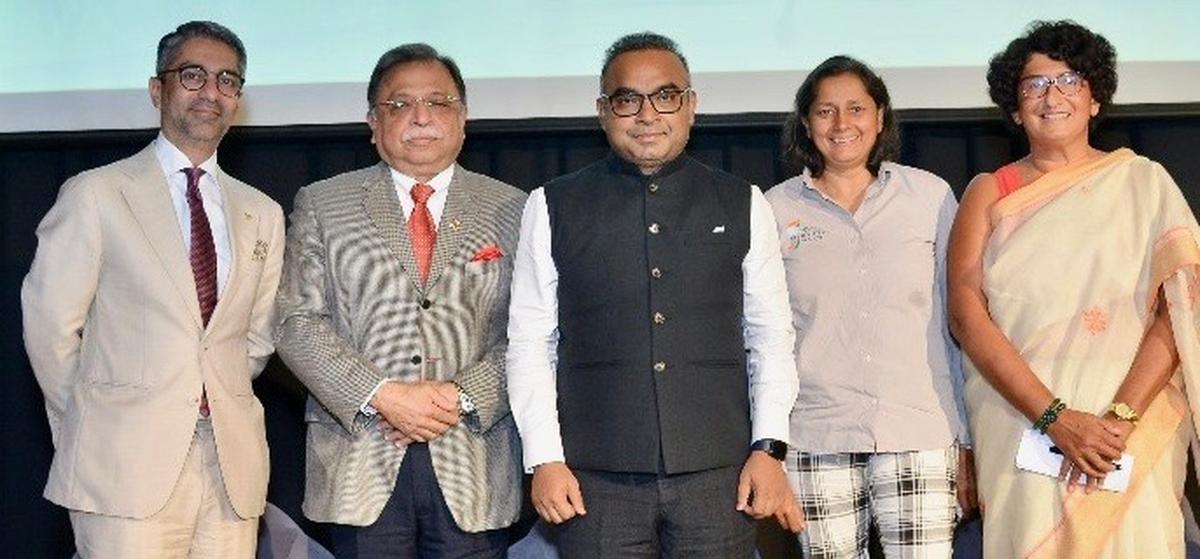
(203, 256)
(420, 228)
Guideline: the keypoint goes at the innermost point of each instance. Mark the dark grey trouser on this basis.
(647, 515)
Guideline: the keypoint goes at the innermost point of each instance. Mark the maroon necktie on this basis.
(203, 256)
(420, 228)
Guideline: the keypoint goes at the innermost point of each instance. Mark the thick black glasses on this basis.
(628, 103)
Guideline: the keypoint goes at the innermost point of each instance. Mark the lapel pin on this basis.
(260, 250)
(454, 223)
(249, 216)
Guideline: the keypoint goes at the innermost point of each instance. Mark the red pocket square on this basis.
(487, 254)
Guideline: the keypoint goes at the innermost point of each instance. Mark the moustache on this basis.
(422, 135)
(206, 106)
(645, 131)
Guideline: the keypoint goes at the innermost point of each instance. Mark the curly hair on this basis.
(1087, 53)
(799, 150)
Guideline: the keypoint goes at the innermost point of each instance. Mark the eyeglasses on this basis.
(628, 103)
(438, 104)
(1035, 87)
(193, 78)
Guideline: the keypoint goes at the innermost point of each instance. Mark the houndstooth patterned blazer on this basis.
(352, 312)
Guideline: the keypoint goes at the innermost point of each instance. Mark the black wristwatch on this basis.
(774, 448)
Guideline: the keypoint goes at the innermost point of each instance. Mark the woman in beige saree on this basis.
(1073, 292)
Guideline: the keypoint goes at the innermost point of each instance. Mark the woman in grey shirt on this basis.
(878, 432)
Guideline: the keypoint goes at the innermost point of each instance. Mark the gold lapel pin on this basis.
(454, 223)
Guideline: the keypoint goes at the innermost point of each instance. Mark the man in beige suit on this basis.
(392, 312)
(147, 312)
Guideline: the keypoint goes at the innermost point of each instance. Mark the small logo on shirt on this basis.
(797, 234)
(718, 229)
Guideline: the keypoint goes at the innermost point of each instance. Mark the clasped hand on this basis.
(416, 411)
(1090, 443)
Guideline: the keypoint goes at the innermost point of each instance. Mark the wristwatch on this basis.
(1124, 412)
(774, 448)
(466, 406)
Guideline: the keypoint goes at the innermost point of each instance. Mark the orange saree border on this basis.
(1088, 520)
(1173, 250)
(1045, 188)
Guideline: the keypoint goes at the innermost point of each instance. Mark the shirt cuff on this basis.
(770, 421)
(542, 448)
(367, 409)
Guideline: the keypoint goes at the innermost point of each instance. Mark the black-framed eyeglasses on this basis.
(440, 104)
(628, 103)
(1035, 87)
(193, 78)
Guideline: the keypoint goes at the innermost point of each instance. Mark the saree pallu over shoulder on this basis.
(1072, 273)
(1008, 212)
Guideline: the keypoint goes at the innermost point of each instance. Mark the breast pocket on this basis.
(708, 235)
(910, 263)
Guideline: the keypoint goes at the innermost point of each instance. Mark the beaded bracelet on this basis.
(1050, 415)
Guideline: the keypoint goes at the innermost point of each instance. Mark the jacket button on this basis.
(655, 273)
(660, 318)
(660, 367)
(426, 303)
(653, 187)
(654, 228)
(416, 360)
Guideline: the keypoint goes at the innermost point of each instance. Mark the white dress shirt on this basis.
(437, 204)
(437, 201)
(533, 333)
(173, 162)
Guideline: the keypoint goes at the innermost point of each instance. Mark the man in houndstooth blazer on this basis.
(408, 419)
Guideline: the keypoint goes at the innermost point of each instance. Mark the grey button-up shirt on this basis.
(878, 369)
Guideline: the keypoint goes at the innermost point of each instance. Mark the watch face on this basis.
(1123, 411)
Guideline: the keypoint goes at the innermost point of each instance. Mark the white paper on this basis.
(1035, 455)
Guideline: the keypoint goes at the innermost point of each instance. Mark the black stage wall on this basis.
(279, 160)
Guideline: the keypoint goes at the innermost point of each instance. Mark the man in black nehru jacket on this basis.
(648, 294)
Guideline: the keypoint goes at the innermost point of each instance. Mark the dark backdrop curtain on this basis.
(955, 144)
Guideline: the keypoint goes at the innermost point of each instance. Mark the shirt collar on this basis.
(440, 182)
(873, 189)
(173, 160)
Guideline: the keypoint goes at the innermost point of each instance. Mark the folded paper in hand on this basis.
(1038, 454)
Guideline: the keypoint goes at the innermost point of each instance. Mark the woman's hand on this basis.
(968, 495)
(1089, 444)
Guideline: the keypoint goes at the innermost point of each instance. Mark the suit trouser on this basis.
(689, 515)
(416, 522)
(197, 521)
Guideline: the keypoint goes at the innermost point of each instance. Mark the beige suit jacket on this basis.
(113, 330)
(351, 314)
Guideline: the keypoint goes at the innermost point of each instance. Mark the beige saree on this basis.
(1071, 273)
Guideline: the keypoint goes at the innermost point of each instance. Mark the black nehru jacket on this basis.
(651, 355)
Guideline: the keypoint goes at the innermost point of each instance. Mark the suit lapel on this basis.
(243, 227)
(150, 202)
(382, 206)
(457, 218)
